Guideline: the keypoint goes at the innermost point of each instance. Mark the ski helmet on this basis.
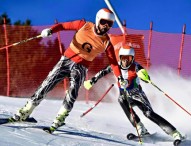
(105, 14)
(126, 52)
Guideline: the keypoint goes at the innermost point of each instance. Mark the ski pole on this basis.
(116, 16)
(135, 123)
(145, 77)
(132, 114)
(100, 99)
(170, 98)
(23, 41)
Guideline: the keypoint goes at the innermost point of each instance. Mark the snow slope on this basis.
(105, 125)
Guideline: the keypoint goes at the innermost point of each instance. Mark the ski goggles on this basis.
(108, 22)
(126, 58)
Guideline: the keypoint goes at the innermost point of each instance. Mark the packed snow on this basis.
(106, 124)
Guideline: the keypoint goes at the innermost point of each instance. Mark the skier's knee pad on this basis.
(148, 114)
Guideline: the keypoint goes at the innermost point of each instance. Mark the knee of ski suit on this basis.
(76, 79)
(125, 106)
(71, 96)
(148, 113)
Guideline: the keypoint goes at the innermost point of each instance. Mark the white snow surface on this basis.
(106, 124)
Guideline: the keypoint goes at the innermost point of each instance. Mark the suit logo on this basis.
(87, 47)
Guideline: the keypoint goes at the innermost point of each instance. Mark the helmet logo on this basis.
(87, 47)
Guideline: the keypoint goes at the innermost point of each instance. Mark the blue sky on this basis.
(167, 15)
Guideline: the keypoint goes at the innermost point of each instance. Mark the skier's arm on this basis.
(73, 25)
(142, 73)
(114, 65)
(101, 74)
(89, 83)
(112, 60)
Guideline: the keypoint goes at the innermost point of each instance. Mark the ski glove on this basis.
(123, 83)
(143, 75)
(46, 32)
(88, 84)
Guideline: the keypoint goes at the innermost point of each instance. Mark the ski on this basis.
(132, 136)
(9, 120)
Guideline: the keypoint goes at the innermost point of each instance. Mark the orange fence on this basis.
(23, 67)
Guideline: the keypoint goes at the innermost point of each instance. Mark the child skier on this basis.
(132, 94)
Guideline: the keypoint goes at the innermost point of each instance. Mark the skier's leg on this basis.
(125, 106)
(76, 78)
(147, 110)
(167, 127)
(130, 113)
(61, 69)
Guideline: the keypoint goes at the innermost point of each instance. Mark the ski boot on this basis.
(23, 113)
(141, 129)
(59, 121)
(177, 137)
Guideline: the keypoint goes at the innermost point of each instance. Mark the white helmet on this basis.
(126, 52)
(104, 14)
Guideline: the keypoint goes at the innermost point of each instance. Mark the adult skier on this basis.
(133, 95)
(88, 42)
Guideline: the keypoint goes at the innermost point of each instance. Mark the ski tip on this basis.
(131, 136)
(177, 142)
(49, 130)
(4, 121)
(12, 120)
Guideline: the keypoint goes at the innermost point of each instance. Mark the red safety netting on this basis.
(29, 63)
